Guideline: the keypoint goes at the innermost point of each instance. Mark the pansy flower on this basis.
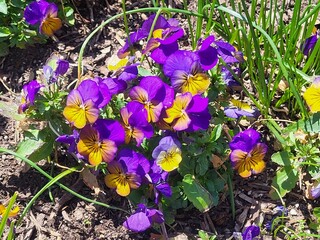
(143, 218)
(134, 121)
(120, 179)
(100, 142)
(208, 55)
(163, 43)
(114, 85)
(54, 68)
(251, 232)
(96, 90)
(229, 79)
(312, 95)
(228, 53)
(159, 181)
(123, 68)
(315, 190)
(79, 112)
(210, 49)
(12, 213)
(168, 154)
(127, 172)
(239, 109)
(29, 92)
(188, 113)
(154, 95)
(45, 14)
(310, 42)
(72, 140)
(247, 153)
(142, 33)
(185, 72)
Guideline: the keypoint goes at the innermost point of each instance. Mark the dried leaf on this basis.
(90, 180)
(216, 161)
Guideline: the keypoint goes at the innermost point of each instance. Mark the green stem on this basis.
(35, 166)
(125, 19)
(199, 21)
(48, 185)
(151, 29)
(185, 6)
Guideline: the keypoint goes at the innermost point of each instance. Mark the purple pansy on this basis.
(245, 140)
(134, 161)
(143, 218)
(239, 109)
(127, 172)
(154, 94)
(71, 140)
(159, 179)
(99, 142)
(247, 153)
(163, 43)
(188, 113)
(45, 14)
(54, 68)
(29, 92)
(210, 49)
(315, 190)
(251, 232)
(186, 75)
(228, 52)
(142, 33)
(114, 85)
(134, 121)
(229, 79)
(96, 90)
(208, 55)
(128, 73)
(309, 44)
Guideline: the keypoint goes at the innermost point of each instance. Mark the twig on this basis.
(211, 225)
(6, 87)
(90, 10)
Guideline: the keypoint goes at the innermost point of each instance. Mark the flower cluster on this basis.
(129, 125)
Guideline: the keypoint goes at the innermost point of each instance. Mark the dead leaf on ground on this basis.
(90, 180)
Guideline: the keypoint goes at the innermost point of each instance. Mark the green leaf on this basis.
(284, 181)
(10, 110)
(281, 158)
(216, 133)
(311, 125)
(37, 145)
(144, 72)
(42, 152)
(4, 49)
(213, 191)
(4, 31)
(69, 14)
(202, 164)
(3, 7)
(197, 194)
(316, 212)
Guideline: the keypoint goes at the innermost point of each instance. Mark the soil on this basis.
(77, 219)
